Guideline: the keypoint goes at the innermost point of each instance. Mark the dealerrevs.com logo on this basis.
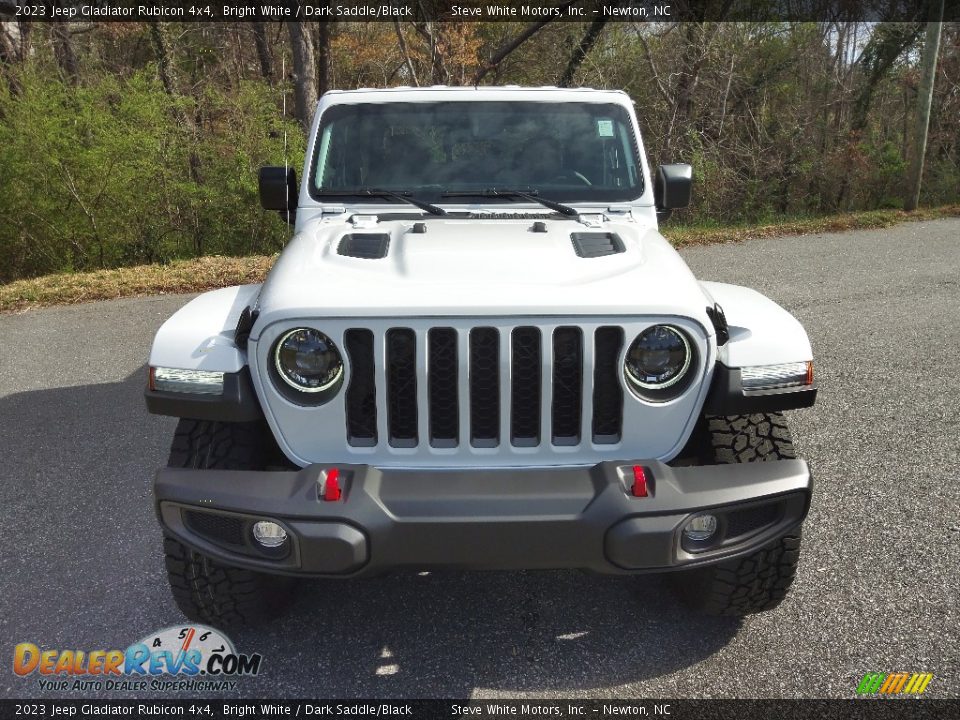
(191, 657)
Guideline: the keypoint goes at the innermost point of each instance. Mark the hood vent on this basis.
(596, 244)
(367, 246)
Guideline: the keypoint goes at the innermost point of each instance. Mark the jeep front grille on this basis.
(485, 386)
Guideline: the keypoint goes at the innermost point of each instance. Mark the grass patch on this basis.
(705, 234)
(180, 276)
(206, 273)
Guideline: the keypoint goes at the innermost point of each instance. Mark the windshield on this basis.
(562, 151)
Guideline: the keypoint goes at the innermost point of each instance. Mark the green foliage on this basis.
(101, 175)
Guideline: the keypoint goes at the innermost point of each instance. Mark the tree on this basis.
(263, 49)
(323, 54)
(304, 72)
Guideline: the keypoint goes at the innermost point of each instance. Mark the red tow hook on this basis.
(331, 485)
(639, 488)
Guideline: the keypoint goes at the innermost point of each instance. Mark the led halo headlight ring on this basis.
(659, 358)
(304, 356)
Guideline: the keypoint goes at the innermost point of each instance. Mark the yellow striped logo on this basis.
(898, 683)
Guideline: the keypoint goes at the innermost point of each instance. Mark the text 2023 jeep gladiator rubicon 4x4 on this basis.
(478, 352)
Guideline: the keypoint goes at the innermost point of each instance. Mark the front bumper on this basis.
(491, 519)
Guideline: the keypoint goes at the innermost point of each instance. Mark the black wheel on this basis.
(760, 581)
(205, 589)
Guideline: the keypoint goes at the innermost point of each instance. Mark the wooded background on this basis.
(130, 143)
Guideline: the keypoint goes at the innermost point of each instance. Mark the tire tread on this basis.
(204, 589)
(759, 581)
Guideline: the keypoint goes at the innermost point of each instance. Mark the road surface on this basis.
(877, 588)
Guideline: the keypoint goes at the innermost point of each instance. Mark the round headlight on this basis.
(308, 361)
(658, 358)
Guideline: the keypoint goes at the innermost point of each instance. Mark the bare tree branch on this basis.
(403, 50)
(726, 94)
(653, 69)
(586, 44)
(501, 54)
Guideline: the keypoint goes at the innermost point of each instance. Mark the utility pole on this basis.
(931, 48)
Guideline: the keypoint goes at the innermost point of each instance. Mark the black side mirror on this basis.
(279, 191)
(671, 189)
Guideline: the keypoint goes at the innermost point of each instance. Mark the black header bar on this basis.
(865, 709)
(520, 11)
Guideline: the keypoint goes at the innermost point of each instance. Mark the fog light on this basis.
(700, 528)
(269, 534)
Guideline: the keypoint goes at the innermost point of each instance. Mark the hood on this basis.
(479, 267)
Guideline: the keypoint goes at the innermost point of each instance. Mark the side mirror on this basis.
(671, 189)
(279, 191)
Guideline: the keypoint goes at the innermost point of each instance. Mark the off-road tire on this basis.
(752, 584)
(205, 589)
(746, 438)
(759, 581)
(219, 595)
(209, 445)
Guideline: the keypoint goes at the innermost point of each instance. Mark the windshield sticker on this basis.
(604, 128)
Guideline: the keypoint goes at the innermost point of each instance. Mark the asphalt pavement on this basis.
(878, 584)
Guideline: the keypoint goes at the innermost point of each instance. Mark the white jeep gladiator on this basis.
(477, 351)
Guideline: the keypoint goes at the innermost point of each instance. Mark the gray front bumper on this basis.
(493, 519)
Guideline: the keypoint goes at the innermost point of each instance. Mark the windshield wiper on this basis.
(403, 195)
(531, 196)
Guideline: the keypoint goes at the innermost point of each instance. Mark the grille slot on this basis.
(361, 400)
(442, 387)
(525, 387)
(607, 392)
(567, 385)
(484, 387)
(402, 387)
(224, 529)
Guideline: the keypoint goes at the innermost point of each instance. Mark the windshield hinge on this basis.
(364, 221)
(592, 219)
(619, 210)
(333, 210)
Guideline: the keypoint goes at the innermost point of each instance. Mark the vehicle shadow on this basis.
(449, 634)
(88, 574)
